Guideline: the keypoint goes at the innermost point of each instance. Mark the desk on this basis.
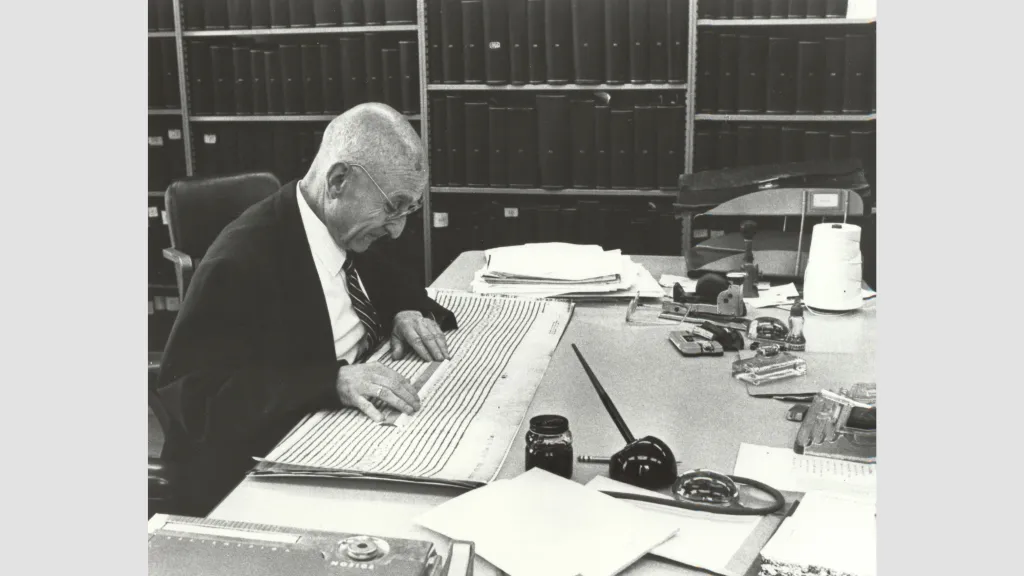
(692, 404)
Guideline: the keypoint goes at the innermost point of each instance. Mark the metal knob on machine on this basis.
(363, 548)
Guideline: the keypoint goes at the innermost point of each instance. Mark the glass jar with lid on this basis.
(549, 445)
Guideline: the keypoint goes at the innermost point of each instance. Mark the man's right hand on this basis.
(359, 383)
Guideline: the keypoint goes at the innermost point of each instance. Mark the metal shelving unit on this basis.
(421, 51)
(631, 193)
(165, 111)
(785, 22)
(161, 34)
(303, 31)
(786, 117)
(278, 118)
(536, 87)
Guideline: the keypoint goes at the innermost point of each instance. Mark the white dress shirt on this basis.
(349, 332)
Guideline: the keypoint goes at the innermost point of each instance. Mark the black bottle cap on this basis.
(549, 424)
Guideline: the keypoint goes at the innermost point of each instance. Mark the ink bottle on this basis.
(795, 340)
(549, 445)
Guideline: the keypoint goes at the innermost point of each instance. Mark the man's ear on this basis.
(337, 174)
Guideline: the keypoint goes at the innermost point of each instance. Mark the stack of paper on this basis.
(539, 524)
(567, 270)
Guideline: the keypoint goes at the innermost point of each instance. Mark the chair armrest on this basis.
(183, 268)
(164, 479)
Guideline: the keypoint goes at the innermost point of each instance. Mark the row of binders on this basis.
(163, 74)
(255, 14)
(634, 227)
(557, 41)
(161, 271)
(166, 152)
(755, 73)
(560, 142)
(284, 149)
(757, 9)
(326, 77)
(161, 15)
(728, 146)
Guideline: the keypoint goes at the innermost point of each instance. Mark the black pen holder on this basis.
(646, 463)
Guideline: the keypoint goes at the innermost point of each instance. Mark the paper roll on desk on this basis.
(832, 280)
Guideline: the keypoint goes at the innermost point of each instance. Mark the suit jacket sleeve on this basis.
(213, 380)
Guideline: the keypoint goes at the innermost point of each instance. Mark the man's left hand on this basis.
(412, 330)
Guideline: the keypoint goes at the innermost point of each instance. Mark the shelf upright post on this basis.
(186, 129)
(421, 36)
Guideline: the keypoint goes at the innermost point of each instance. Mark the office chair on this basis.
(198, 209)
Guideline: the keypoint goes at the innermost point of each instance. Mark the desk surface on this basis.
(693, 404)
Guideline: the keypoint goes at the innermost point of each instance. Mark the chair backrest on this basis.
(199, 208)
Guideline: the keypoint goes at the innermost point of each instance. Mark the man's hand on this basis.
(359, 383)
(421, 334)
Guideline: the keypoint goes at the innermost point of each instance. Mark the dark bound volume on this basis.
(726, 152)
(495, 43)
(862, 145)
(815, 145)
(810, 77)
(439, 141)
(374, 73)
(760, 10)
(724, 9)
(155, 72)
(671, 146)
(746, 145)
(274, 85)
(239, 14)
(535, 37)
(291, 78)
(602, 146)
(657, 11)
(259, 81)
(708, 9)
(616, 41)
(284, 146)
(456, 134)
(223, 80)
(857, 87)
(156, 164)
(498, 150)
(175, 146)
(622, 149)
(165, 15)
(155, 7)
(392, 71)
(815, 8)
(472, 41)
(707, 76)
(750, 76)
(797, 9)
(312, 87)
(591, 221)
(352, 13)
(727, 56)
(400, 11)
(679, 24)
(553, 144)
(835, 67)
(838, 146)
(330, 76)
(434, 42)
(645, 149)
(518, 43)
(279, 10)
(558, 42)
(781, 75)
(768, 144)
(169, 83)
(206, 151)
(588, 41)
(300, 13)
(353, 71)
(194, 14)
(451, 40)
(478, 143)
(703, 150)
(581, 120)
(373, 12)
(215, 14)
(260, 13)
(227, 149)
(243, 79)
(522, 147)
(409, 68)
(791, 146)
(326, 12)
(742, 9)
(639, 47)
(778, 9)
(836, 8)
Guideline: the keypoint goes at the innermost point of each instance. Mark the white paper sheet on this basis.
(783, 469)
(773, 296)
(704, 540)
(555, 261)
(540, 524)
(669, 280)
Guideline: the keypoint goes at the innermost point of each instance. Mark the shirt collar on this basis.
(320, 242)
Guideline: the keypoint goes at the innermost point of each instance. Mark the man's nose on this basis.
(395, 227)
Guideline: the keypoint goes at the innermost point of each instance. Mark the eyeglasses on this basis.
(393, 213)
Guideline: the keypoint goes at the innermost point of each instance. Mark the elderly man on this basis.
(289, 300)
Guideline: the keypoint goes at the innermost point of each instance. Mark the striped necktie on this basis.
(361, 304)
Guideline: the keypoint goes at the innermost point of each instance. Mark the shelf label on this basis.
(173, 304)
(717, 233)
(700, 233)
(158, 303)
(154, 211)
(163, 217)
(825, 200)
(440, 219)
(511, 212)
(174, 134)
(209, 138)
(150, 307)
(494, 45)
(156, 141)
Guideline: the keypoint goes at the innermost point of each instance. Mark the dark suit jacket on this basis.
(252, 349)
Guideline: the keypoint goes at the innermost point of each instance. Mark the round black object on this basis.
(710, 286)
(647, 463)
(549, 424)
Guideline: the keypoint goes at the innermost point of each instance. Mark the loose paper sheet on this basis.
(783, 469)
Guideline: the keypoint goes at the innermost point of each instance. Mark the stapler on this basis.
(841, 425)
